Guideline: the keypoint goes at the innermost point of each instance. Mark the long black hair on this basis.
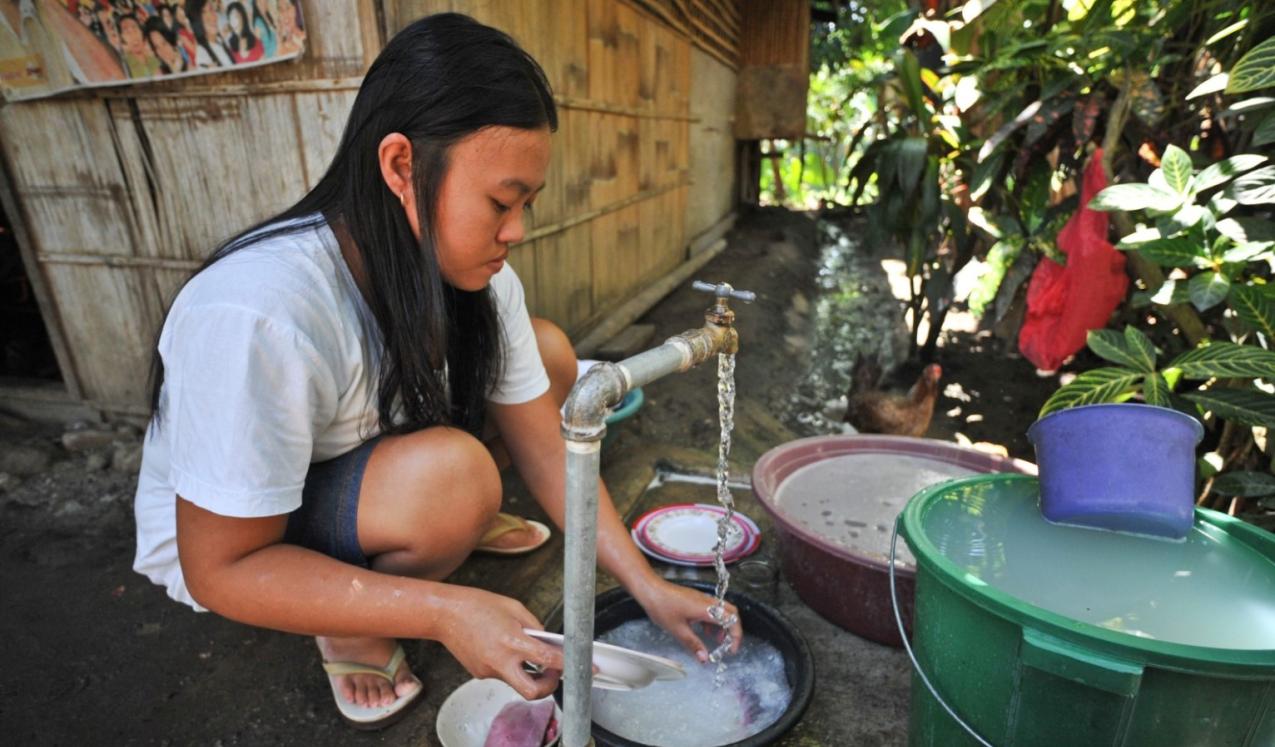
(195, 15)
(440, 79)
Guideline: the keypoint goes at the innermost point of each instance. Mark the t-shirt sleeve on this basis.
(244, 397)
(524, 376)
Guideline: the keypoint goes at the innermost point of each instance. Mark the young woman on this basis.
(263, 26)
(243, 44)
(210, 49)
(164, 43)
(317, 461)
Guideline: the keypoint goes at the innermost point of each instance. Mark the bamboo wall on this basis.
(122, 191)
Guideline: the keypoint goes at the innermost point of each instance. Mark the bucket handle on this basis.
(898, 619)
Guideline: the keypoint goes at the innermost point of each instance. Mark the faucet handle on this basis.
(724, 291)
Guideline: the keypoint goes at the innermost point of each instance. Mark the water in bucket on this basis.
(1209, 590)
(695, 711)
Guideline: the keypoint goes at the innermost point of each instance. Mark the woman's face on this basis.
(131, 34)
(209, 17)
(492, 178)
(165, 51)
(236, 21)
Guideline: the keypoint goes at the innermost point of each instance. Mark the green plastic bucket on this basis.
(1177, 649)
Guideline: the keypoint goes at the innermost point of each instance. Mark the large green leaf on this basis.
(1177, 168)
(1134, 197)
(985, 174)
(1244, 230)
(1245, 406)
(1214, 84)
(1141, 347)
(1208, 289)
(1139, 237)
(1185, 218)
(1226, 360)
(1178, 251)
(1155, 390)
(1257, 309)
(910, 77)
(911, 163)
(1255, 187)
(1264, 134)
(1094, 387)
(1245, 484)
(1111, 345)
(1253, 250)
(1225, 170)
(1256, 69)
(1171, 292)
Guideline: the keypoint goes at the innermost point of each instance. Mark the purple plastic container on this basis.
(1124, 467)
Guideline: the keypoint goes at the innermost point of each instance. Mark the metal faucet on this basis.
(583, 426)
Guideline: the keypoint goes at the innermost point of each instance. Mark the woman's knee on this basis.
(559, 357)
(432, 491)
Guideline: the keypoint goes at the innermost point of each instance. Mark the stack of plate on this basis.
(686, 534)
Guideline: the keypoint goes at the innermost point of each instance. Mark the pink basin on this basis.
(833, 500)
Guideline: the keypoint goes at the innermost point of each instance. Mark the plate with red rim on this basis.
(687, 532)
(743, 553)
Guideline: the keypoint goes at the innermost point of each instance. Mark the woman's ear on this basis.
(394, 155)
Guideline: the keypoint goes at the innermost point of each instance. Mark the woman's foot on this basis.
(368, 690)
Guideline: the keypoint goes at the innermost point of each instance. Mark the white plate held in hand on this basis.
(620, 668)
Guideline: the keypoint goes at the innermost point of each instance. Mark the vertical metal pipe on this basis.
(579, 580)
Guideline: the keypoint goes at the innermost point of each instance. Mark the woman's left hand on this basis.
(675, 608)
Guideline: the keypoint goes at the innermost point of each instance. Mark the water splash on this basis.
(726, 416)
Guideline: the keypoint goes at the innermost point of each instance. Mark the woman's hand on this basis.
(675, 608)
(484, 633)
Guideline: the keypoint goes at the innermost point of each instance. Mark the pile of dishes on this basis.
(686, 534)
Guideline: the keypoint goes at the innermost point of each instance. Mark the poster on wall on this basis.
(50, 46)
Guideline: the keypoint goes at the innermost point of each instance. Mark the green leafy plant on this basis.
(1138, 373)
(1194, 234)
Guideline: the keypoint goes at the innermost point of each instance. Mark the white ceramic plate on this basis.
(688, 532)
(620, 668)
(708, 563)
(465, 717)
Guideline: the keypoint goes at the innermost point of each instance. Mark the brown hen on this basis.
(872, 410)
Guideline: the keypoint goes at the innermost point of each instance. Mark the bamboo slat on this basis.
(66, 174)
(109, 316)
(564, 277)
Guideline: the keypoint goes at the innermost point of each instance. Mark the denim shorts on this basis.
(328, 520)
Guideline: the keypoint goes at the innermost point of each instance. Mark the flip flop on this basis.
(506, 523)
(367, 718)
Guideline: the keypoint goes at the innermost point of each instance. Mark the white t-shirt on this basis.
(270, 363)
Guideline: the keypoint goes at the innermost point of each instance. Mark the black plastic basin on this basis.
(615, 607)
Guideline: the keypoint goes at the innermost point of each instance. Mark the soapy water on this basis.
(1208, 590)
(695, 711)
(726, 417)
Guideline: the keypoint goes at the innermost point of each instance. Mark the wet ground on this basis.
(96, 655)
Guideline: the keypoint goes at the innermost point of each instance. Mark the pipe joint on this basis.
(591, 400)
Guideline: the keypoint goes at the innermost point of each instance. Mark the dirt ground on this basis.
(94, 654)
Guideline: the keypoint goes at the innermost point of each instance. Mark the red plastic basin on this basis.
(850, 587)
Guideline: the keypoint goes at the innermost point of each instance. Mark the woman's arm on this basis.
(242, 569)
(531, 433)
